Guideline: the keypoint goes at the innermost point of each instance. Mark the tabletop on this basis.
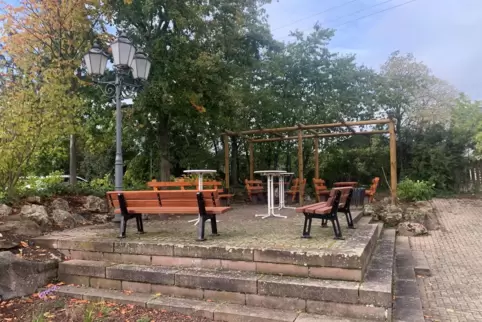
(274, 172)
(199, 171)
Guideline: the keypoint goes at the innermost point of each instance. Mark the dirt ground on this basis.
(53, 308)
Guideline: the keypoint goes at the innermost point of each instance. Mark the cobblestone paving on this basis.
(454, 254)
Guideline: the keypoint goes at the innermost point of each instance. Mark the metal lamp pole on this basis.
(127, 62)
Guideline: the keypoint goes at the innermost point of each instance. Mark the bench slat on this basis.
(174, 210)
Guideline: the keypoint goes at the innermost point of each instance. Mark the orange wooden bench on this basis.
(255, 189)
(132, 204)
(295, 188)
(345, 184)
(320, 189)
(217, 185)
(370, 193)
(164, 185)
(339, 200)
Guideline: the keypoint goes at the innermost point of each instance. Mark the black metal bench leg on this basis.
(200, 228)
(140, 225)
(307, 227)
(123, 227)
(324, 223)
(337, 228)
(349, 219)
(214, 226)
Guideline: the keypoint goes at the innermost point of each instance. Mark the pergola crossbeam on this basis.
(321, 135)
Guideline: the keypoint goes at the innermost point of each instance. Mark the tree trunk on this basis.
(163, 136)
(73, 160)
(288, 158)
(234, 160)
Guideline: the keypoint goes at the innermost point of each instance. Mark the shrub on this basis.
(409, 190)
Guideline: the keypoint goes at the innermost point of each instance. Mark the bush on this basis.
(409, 190)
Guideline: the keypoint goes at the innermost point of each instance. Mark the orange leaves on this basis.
(199, 108)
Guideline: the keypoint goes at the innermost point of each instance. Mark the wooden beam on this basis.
(321, 135)
(393, 161)
(317, 156)
(314, 126)
(226, 161)
(251, 161)
(309, 130)
(300, 165)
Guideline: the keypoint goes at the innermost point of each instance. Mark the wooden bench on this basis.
(320, 189)
(132, 204)
(345, 184)
(217, 185)
(295, 188)
(165, 185)
(339, 200)
(370, 193)
(255, 189)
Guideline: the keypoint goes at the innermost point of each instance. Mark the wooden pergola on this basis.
(310, 132)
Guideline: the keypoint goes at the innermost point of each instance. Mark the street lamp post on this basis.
(126, 62)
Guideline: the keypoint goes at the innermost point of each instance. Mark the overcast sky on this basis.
(444, 34)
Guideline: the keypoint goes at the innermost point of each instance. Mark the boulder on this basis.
(413, 214)
(25, 227)
(411, 229)
(96, 204)
(392, 215)
(368, 210)
(61, 204)
(5, 211)
(21, 277)
(101, 218)
(36, 213)
(34, 199)
(66, 219)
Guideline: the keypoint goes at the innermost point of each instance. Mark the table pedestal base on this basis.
(197, 220)
(264, 216)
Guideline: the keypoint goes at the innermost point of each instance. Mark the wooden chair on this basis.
(370, 193)
(320, 189)
(295, 188)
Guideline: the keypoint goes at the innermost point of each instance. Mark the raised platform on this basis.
(254, 262)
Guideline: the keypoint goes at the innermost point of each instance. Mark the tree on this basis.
(49, 37)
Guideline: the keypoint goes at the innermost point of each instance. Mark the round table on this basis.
(200, 174)
(270, 174)
(282, 190)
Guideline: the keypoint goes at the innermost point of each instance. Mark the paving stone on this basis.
(112, 257)
(83, 268)
(225, 297)
(407, 303)
(140, 273)
(354, 311)
(231, 253)
(86, 245)
(239, 313)
(232, 281)
(135, 259)
(405, 273)
(83, 255)
(406, 288)
(184, 306)
(136, 287)
(74, 279)
(281, 269)
(311, 289)
(143, 248)
(73, 291)
(104, 283)
(272, 302)
(376, 289)
(306, 317)
(176, 291)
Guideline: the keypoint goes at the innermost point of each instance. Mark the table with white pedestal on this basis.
(200, 174)
(270, 174)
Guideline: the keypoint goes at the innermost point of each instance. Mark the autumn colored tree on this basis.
(47, 40)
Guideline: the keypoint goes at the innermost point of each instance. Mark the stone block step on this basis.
(246, 288)
(347, 261)
(214, 311)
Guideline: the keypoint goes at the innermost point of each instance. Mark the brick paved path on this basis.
(454, 254)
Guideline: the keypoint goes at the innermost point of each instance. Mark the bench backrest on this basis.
(295, 187)
(163, 198)
(319, 185)
(215, 185)
(345, 184)
(345, 196)
(181, 184)
(374, 185)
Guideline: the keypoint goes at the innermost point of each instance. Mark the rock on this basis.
(100, 218)
(61, 204)
(5, 211)
(392, 215)
(24, 227)
(36, 213)
(411, 229)
(21, 277)
(66, 219)
(368, 210)
(96, 204)
(34, 199)
(414, 215)
(5, 244)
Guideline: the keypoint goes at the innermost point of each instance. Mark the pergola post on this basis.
(317, 164)
(251, 161)
(393, 161)
(226, 161)
(300, 165)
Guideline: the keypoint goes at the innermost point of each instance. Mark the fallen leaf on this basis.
(130, 306)
(60, 284)
(158, 294)
(49, 315)
(23, 244)
(37, 247)
(49, 285)
(123, 311)
(128, 292)
(52, 297)
(163, 311)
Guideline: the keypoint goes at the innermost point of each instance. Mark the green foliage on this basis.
(409, 190)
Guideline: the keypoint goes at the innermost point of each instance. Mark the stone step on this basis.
(214, 311)
(246, 288)
(347, 261)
